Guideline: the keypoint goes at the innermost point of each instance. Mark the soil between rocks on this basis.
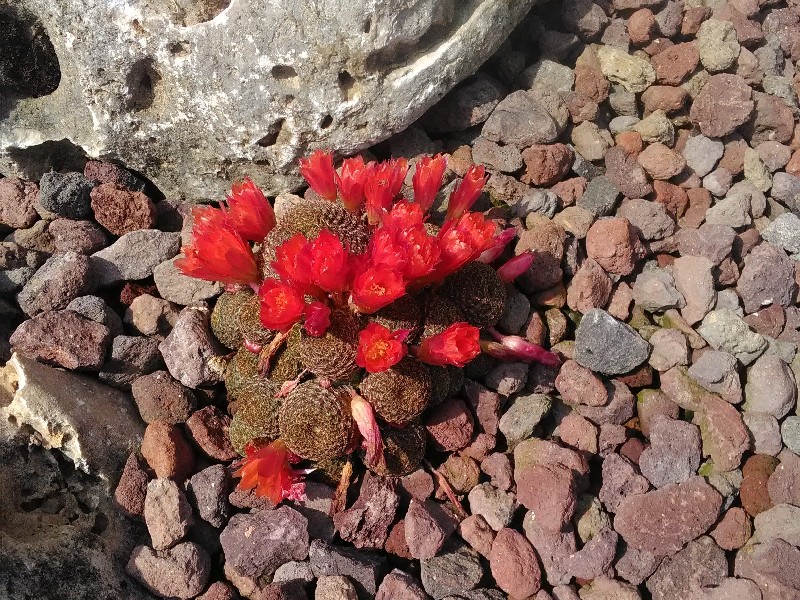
(648, 153)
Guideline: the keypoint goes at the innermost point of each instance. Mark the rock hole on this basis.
(366, 26)
(326, 122)
(281, 72)
(179, 48)
(28, 63)
(350, 88)
(142, 82)
(31, 505)
(276, 132)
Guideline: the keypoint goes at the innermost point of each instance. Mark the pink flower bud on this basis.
(516, 266)
(514, 347)
(364, 416)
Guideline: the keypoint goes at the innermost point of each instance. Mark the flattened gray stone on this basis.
(607, 345)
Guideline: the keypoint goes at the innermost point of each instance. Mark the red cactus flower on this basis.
(428, 179)
(281, 305)
(318, 171)
(364, 416)
(422, 252)
(382, 187)
(249, 212)
(379, 348)
(404, 214)
(515, 267)
(329, 262)
(293, 263)
(385, 250)
(217, 251)
(514, 347)
(351, 182)
(464, 196)
(376, 287)
(463, 241)
(317, 319)
(268, 471)
(456, 345)
(501, 240)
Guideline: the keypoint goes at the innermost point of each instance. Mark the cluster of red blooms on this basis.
(402, 256)
(316, 275)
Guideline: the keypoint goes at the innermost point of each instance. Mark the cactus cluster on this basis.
(348, 315)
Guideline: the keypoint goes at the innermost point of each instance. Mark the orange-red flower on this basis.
(404, 214)
(293, 263)
(351, 182)
(281, 305)
(376, 287)
(422, 252)
(317, 319)
(249, 212)
(217, 251)
(318, 171)
(463, 241)
(382, 187)
(428, 179)
(464, 196)
(456, 345)
(268, 471)
(329, 262)
(385, 250)
(379, 348)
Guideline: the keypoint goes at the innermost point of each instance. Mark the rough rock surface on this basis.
(286, 77)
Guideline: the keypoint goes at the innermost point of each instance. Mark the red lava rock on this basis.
(99, 172)
(724, 103)
(167, 513)
(514, 564)
(619, 409)
(167, 451)
(578, 432)
(768, 321)
(396, 541)
(83, 237)
(661, 162)
(630, 141)
(418, 484)
(121, 211)
(784, 483)
(628, 175)
(477, 533)
(664, 97)
(793, 166)
(366, 523)
(580, 107)
(256, 544)
(591, 83)
(754, 491)
(590, 288)
(218, 591)
(18, 203)
(569, 190)
(632, 449)
(61, 279)
(450, 425)
(546, 164)
(773, 566)
(676, 63)
(733, 529)
(498, 467)
(553, 548)
(615, 245)
(611, 437)
(773, 120)
(620, 480)
(578, 385)
(480, 446)
(485, 404)
(641, 26)
(619, 306)
(209, 430)
(400, 586)
(651, 404)
(674, 453)
(767, 278)
(180, 572)
(132, 487)
(700, 563)
(662, 521)
(548, 491)
(595, 558)
(160, 398)
(427, 527)
(63, 338)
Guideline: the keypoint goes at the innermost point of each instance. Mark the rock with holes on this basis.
(131, 83)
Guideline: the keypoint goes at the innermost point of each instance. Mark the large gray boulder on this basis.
(195, 93)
